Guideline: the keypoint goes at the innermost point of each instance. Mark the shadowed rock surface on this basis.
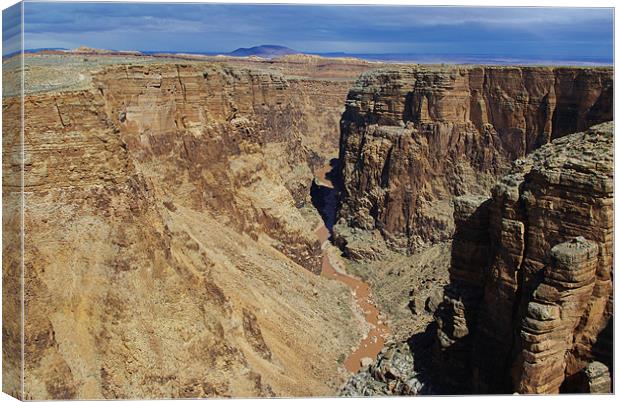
(531, 288)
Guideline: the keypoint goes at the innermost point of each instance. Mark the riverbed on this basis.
(333, 268)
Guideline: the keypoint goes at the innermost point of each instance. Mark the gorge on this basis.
(217, 227)
(426, 156)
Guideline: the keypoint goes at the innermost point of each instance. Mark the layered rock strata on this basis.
(12, 294)
(531, 274)
(165, 254)
(557, 305)
(211, 128)
(414, 137)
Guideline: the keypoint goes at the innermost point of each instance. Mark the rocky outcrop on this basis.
(531, 286)
(392, 374)
(595, 379)
(322, 104)
(415, 137)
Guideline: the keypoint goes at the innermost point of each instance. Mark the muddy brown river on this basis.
(374, 340)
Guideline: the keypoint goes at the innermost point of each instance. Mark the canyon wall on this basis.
(530, 305)
(414, 137)
(323, 102)
(11, 247)
(166, 254)
(170, 247)
(220, 139)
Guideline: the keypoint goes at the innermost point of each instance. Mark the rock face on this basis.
(11, 248)
(166, 256)
(414, 137)
(210, 129)
(322, 104)
(531, 295)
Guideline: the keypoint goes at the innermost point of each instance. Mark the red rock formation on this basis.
(553, 314)
(531, 287)
(414, 137)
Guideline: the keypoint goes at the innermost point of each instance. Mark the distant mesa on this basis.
(304, 58)
(91, 50)
(86, 49)
(266, 51)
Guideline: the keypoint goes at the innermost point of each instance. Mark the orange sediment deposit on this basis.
(373, 342)
(371, 345)
(323, 234)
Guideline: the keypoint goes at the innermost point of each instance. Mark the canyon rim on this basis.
(273, 222)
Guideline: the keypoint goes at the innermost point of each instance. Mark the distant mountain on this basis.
(267, 51)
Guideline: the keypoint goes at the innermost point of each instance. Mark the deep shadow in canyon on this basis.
(324, 193)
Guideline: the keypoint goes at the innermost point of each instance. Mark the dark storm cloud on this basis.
(363, 29)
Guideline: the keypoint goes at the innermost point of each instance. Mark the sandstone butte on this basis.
(169, 234)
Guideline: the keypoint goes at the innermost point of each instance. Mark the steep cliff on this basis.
(531, 296)
(166, 255)
(11, 247)
(218, 139)
(414, 137)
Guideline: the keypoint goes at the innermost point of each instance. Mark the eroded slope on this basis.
(166, 254)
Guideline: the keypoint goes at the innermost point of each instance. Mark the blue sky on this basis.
(536, 32)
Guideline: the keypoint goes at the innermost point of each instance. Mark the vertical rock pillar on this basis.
(552, 315)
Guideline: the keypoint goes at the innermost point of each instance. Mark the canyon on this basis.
(231, 227)
(414, 137)
(426, 156)
(169, 234)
